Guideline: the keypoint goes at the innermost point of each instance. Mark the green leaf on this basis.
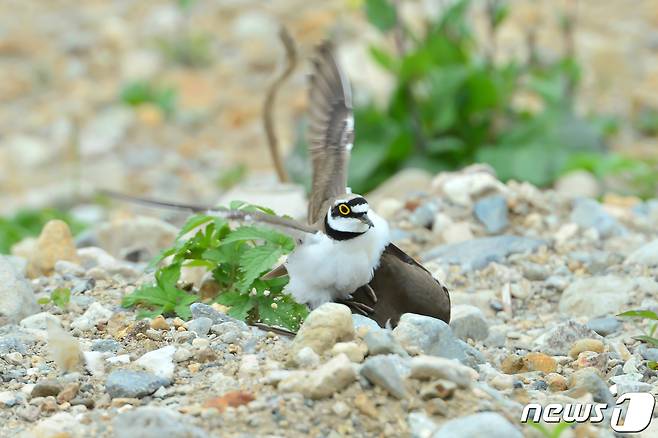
(192, 223)
(256, 261)
(382, 14)
(281, 310)
(256, 233)
(645, 314)
(652, 365)
(245, 206)
(43, 300)
(61, 297)
(384, 59)
(239, 304)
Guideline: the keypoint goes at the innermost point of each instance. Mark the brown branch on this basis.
(268, 106)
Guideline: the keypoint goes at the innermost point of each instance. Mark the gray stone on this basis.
(382, 341)
(468, 322)
(481, 425)
(137, 239)
(491, 211)
(154, 422)
(388, 372)
(363, 321)
(200, 326)
(649, 353)
(430, 367)
(535, 271)
(588, 379)
(424, 334)
(200, 310)
(604, 326)
(46, 388)
(134, 384)
(10, 344)
(325, 381)
(106, 345)
(17, 299)
(645, 255)
(596, 296)
(478, 253)
(588, 213)
(103, 132)
(558, 341)
(423, 216)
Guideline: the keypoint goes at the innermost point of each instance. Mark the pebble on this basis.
(586, 345)
(328, 379)
(650, 354)
(17, 300)
(46, 388)
(307, 358)
(604, 326)
(387, 372)
(106, 345)
(477, 253)
(558, 340)
(588, 213)
(159, 323)
(11, 344)
(420, 425)
(424, 334)
(364, 323)
(38, 321)
(154, 422)
(200, 326)
(468, 322)
(133, 384)
(556, 382)
(491, 211)
(55, 243)
(95, 314)
(382, 341)
(480, 425)
(596, 296)
(159, 362)
(356, 352)
(182, 354)
(588, 380)
(200, 310)
(324, 326)
(431, 367)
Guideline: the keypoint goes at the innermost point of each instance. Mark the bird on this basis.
(343, 253)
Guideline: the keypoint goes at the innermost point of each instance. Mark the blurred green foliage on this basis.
(61, 297)
(142, 92)
(28, 223)
(453, 105)
(189, 49)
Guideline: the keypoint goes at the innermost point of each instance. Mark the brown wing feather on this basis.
(331, 129)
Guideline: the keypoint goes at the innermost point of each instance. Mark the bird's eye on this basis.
(344, 209)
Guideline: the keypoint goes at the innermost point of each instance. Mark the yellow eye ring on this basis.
(344, 209)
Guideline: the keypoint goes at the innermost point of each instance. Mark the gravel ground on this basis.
(536, 280)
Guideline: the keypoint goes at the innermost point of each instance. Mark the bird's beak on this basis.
(366, 220)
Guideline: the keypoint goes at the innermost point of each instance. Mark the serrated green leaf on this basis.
(239, 304)
(645, 314)
(256, 261)
(256, 233)
(281, 310)
(192, 223)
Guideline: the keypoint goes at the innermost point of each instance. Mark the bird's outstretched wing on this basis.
(331, 129)
(287, 225)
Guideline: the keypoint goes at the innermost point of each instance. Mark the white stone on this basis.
(94, 362)
(596, 296)
(463, 187)
(578, 184)
(38, 321)
(432, 367)
(249, 365)
(17, 298)
(307, 358)
(457, 232)
(95, 314)
(323, 382)
(159, 362)
(324, 326)
(645, 255)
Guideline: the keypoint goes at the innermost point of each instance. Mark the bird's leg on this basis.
(370, 292)
(361, 308)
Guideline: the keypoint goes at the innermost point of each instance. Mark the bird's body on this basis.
(324, 269)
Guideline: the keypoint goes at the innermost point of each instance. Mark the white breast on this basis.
(323, 270)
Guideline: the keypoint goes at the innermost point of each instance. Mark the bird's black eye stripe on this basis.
(356, 201)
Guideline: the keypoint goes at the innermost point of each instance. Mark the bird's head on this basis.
(348, 217)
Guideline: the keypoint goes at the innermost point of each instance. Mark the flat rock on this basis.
(133, 384)
(478, 253)
(17, 299)
(604, 326)
(481, 425)
(159, 362)
(387, 372)
(154, 422)
(382, 341)
(137, 239)
(323, 327)
(95, 314)
(596, 296)
(200, 310)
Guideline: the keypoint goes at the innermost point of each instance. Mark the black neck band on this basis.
(339, 235)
